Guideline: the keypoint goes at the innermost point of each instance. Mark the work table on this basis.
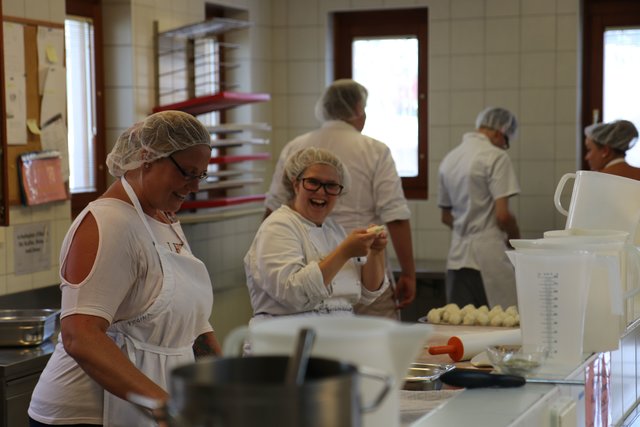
(609, 397)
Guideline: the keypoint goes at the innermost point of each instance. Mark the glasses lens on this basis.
(311, 184)
(187, 176)
(333, 189)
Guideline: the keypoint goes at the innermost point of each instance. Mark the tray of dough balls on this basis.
(473, 317)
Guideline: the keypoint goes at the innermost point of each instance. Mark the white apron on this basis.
(487, 249)
(169, 323)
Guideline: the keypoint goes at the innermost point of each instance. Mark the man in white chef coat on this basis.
(475, 181)
(376, 195)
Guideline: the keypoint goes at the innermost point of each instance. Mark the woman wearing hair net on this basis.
(135, 301)
(376, 196)
(475, 182)
(301, 261)
(606, 145)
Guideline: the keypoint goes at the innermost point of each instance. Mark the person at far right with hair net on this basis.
(475, 181)
(606, 145)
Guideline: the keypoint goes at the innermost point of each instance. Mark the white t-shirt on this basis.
(282, 269)
(124, 282)
(375, 196)
(471, 177)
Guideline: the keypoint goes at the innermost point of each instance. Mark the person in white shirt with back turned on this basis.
(475, 181)
(376, 196)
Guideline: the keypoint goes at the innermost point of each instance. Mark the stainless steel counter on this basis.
(19, 361)
(20, 367)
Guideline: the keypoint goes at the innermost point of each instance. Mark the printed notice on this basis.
(32, 247)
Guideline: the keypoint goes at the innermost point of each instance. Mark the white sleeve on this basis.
(502, 180)
(285, 269)
(369, 297)
(116, 269)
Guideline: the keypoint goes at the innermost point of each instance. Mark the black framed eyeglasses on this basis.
(187, 176)
(312, 184)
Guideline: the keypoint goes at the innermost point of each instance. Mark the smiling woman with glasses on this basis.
(301, 260)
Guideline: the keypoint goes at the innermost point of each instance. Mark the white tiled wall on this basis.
(520, 54)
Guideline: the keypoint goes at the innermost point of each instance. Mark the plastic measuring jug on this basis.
(609, 273)
(601, 201)
(551, 286)
(603, 274)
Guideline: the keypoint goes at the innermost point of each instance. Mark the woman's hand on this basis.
(357, 243)
(381, 238)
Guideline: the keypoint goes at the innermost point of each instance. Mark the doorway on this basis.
(611, 53)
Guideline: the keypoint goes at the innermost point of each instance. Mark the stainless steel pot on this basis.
(251, 391)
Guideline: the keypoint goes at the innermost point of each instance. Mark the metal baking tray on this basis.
(27, 327)
(425, 376)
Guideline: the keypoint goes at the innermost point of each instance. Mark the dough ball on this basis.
(509, 321)
(497, 319)
(433, 316)
(512, 310)
(483, 308)
(496, 309)
(469, 318)
(467, 309)
(482, 319)
(455, 318)
(445, 316)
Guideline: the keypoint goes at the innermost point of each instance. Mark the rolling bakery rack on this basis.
(193, 74)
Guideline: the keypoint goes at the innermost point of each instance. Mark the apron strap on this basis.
(136, 204)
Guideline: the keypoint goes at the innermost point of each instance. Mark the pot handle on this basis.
(556, 197)
(376, 375)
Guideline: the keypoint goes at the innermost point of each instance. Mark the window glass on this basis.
(621, 90)
(388, 68)
(81, 111)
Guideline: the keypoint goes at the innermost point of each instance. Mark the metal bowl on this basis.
(27, 327)
(425, 376)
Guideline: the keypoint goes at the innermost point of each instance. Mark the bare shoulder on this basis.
(82, 250)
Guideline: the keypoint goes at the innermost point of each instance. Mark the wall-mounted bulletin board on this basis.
(35, 98)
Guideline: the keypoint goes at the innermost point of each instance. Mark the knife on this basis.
(473, 378)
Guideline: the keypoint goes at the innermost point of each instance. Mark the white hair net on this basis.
(299, 161)
(619, 135)
(344, 99)
(157, 136)
(498, 119)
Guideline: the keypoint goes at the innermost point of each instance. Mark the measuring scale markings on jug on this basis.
(551, 288)
(549, 313)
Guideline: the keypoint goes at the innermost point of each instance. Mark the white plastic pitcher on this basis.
(366, 341)
(601, 201)
(604, 273)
